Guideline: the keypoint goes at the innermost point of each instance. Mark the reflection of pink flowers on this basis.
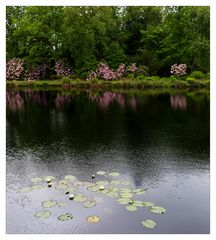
(14, 101)
(178, 101)
(61, 101)
(133, 103)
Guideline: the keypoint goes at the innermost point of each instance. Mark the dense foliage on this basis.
(155, 38)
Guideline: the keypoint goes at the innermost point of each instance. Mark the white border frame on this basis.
(3, 4)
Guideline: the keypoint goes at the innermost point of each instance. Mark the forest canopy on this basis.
(154, 38)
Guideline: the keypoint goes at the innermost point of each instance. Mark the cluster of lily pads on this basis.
(114, 188)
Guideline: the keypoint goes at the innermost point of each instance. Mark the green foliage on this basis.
(66, 80)
(198, 75)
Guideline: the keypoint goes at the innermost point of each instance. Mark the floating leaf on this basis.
(65, 217)
(93, 219)
(157, 209)
(125, 183)
(149, 223)
(104, 183)
(36, 179)
(42, 214)
(89, 204)
(125, 190)
(126, 195)
(123, 200)
(112, 194)
(115, 182)
(137, 203)
(93, 188)
(101, 173)
(113, 189)
(148, 204)
(37, 187)
(49, 204)
(71, 189)
(25, 189)
(88, 184)
(64, 181)
(131, 208)
(70, 177)
(114, 174)
(61, 187)
(47, 178)
(139, 191)
(80, 197)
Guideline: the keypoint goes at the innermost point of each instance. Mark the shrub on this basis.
(39, 72)
(178, 70)
(62, 68)
(66, 80)
(190, 79)
(198, 75)
(14, 69)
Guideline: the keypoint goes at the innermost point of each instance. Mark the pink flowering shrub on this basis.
(62, 68)
(38, 73)
(179, 70)
(14, 69)
(132, 68)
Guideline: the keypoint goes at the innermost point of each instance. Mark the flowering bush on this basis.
(38, 73)
(62, 68)
(14, 69)
(178, 70)
(132, 68)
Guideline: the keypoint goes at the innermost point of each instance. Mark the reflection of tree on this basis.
(14, 100)
(178, 101)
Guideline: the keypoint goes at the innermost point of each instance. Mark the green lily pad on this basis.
(148, 204)
(69, 177)
(114, 174)
(26, 189)
(131, 208)
(89, 204)
(123, 200)
(87, 184)
(61, 187)
(47, 178)
(149, 223)
(125, 190)
(93, 188)
(139, 191)
(115, 182)
(101, 173)
(36, 179)
(37, 187)
(71, 189)
(125, 183)
(93, 219)
(137, 203)
(104, 183)
(126, 195)
(64, 181)
(113, 189)
(80, 198)
(42, 214)
(112, 194)
(49, 204)
(65, 217)
(157, 209)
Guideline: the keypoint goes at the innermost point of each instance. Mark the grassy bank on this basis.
(120, 84)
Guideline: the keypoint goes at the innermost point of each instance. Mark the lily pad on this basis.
(131, 208)
(42, 214)
(137, 203)
(125, 183)
(113, 189)
(93, 219)
(71, 189)
(104, 183)
(112, 194)
(89, 204)
(49, 204)
(101, 173)
(148, 204)
(123, 200)
(69, 177)
(37, 187)
(126, 195)
(64, 181)
(125, 190)
(26, 189)
(47, 178)
(93, 188)
(115, 182)
(80, 198)
(149, 223)
(139, 191)
(114, 174)
(65, 217)
(36, 179)
(157, 209)
(61, 204)
(61, 187)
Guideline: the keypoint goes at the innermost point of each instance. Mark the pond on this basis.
(157, 142)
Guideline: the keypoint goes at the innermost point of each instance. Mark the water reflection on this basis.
(178, 102)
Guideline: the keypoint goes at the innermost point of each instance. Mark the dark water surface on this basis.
(156, 141)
